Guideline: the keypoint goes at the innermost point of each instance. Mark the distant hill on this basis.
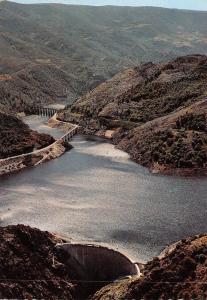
(54, 52)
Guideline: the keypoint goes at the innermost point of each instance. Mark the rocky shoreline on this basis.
(154, 168)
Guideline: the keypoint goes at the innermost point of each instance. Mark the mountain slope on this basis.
(57, 52)
(156, 112)
(180, 273)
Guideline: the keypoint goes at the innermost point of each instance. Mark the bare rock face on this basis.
(180, 274)
(156, 111)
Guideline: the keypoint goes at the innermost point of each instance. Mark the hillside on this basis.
(180, 273)
(16, 138)
(155, 112)
(53, 52)
(30, 267)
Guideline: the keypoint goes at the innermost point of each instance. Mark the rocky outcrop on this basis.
(155, 112)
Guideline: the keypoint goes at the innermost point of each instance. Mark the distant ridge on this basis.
(55, 53)
(199, 5)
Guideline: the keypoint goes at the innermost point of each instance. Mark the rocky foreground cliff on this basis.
(155, 112)
(30, 267)
(33, 267)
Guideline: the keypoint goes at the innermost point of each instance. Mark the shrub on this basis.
(192, 121)
(201, 258)
(188, 264)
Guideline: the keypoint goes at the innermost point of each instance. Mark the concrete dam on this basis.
(95, 263)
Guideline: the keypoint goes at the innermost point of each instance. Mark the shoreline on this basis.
(182, 172)
(59, 147)
(157, 169)
(154, 169)
(17, 163)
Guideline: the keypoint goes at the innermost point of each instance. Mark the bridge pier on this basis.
(67, 137)
(42, 111)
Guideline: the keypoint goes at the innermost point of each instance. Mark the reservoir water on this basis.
(95, 193)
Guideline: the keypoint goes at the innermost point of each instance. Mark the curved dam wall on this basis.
(96, 263)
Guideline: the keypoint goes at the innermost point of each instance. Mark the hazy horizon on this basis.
(180, 4)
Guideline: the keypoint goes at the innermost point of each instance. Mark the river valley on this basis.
(95, 193)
